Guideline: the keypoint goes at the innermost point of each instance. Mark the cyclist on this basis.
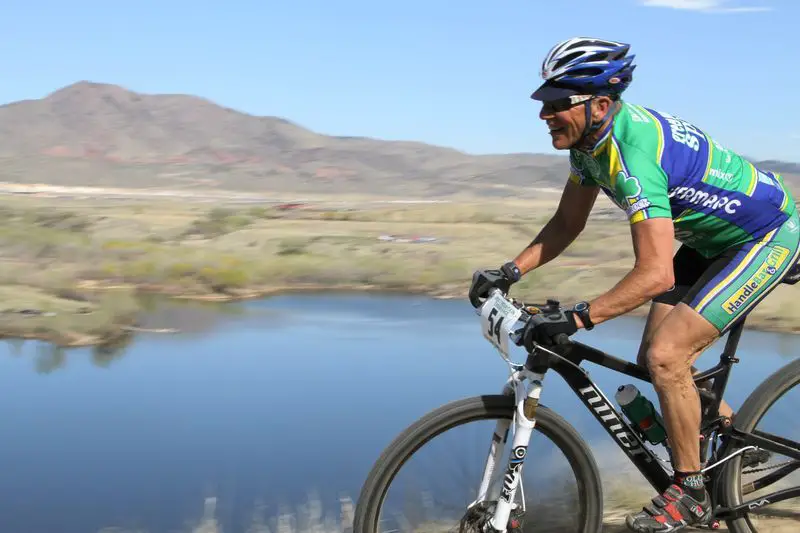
(738, 226)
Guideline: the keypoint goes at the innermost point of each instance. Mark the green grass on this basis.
(65, 316)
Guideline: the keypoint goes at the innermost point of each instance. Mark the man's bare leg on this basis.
(669, 358)
(656, 315)
(654, 318)
(674, 344)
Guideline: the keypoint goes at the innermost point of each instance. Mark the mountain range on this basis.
(98, 134)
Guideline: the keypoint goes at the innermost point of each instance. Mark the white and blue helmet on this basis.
(586, 66)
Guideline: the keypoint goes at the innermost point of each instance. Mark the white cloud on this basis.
(712, 6)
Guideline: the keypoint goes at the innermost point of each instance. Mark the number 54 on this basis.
(494, 329)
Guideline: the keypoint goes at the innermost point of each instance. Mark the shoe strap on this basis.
(675, 504)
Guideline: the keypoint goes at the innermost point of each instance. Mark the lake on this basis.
(260, 404)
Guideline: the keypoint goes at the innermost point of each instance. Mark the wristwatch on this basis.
(582, 310)
(512, 271)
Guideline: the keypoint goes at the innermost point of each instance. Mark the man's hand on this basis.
(485, 280)
(543, 327)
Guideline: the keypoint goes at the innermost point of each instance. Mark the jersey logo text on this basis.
(637, 206)
(724, 176)
(683, 132)
(768, 268)
(692, 196)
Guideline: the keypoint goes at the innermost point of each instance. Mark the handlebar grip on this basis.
(475, 301)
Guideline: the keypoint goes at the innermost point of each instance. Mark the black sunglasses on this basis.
(562, 104)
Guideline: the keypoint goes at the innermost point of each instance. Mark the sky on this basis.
(456, 74)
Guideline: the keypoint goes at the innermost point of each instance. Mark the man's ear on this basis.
(600, 107)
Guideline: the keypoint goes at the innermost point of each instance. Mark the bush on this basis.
(263, 212)
(64, 220)
(220, 214)
(222, 279)
(297, 246)
(141, 270)
(217, 222)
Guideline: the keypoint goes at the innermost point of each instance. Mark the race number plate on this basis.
(498, 316)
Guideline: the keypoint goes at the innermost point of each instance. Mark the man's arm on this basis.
(652, 273)
(565, 225)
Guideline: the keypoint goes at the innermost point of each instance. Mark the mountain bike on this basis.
(728, 448)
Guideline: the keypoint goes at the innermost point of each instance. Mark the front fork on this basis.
(524, 421)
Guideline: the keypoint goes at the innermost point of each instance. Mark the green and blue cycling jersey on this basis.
(653, 164)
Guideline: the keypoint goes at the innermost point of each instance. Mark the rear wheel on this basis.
(771, 408)
(565, 494)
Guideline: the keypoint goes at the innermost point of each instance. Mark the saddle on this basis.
(793, 275)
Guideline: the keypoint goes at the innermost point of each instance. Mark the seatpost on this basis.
(732, 343)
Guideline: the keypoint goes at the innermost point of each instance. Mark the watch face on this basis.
(581, 306)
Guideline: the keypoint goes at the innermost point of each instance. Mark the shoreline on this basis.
(77, 277)
(754, 322)
(73, 338)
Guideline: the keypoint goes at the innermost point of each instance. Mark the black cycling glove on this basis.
(544, 327)
(485, 280)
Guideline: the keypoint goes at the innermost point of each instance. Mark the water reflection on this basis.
(50, 358)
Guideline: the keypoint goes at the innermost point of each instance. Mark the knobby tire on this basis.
(548, 424)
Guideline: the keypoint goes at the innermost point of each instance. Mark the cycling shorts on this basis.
(724, 288)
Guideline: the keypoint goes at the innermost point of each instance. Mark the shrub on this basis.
(296, 246)
(222, 279)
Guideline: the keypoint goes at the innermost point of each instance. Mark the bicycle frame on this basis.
(565, 360)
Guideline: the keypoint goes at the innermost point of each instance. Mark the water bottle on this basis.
(642, 413)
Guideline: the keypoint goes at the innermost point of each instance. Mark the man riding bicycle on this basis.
(738, 226)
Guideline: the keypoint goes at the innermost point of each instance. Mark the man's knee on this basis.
(658, 312)
(682, 335)
(666, 361)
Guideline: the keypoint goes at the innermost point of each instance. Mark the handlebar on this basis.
(529, 311)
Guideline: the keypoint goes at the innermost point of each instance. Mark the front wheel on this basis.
(560, 484)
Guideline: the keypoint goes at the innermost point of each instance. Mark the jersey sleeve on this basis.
(640, 184)
(576, 177)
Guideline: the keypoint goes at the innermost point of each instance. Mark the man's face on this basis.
(565, 120)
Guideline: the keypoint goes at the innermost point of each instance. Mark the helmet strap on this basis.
(591, 127)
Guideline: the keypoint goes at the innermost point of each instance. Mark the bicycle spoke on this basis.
(426, 496)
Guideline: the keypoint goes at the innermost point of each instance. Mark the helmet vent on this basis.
(586, 72)
(567, 58)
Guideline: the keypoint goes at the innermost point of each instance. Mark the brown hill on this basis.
(100, 134)
(104, 135)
